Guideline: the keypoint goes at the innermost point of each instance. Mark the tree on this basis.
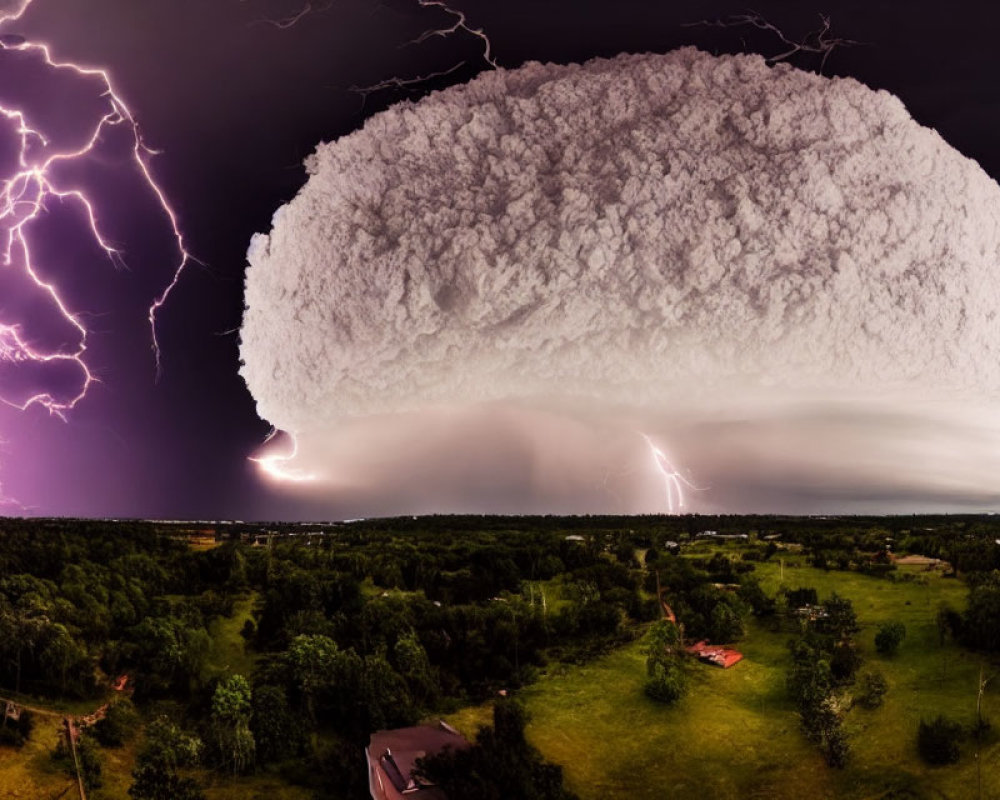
(155, 781)
(937, 740)
(844, 661)
(725, 623)
(410, 659)
(662, 638)
(665, 678)
(170, 651)
(841, 622)
(751, 593)
(312, 660)
(166, 743)
(277, 733)
(167, 747)
(665, 681)
(981, 624)
(501, 765)
(230, 723)
(118, 725)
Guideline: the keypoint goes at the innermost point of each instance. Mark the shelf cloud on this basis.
(480, 300)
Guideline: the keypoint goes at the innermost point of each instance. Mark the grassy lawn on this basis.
(253, 787)
(229, 654)
(736, 734)
(117, 764)
(29, 772)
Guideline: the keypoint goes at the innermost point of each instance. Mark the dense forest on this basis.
(369, 625)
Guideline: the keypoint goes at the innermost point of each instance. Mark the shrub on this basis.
(836, 749)
(872, 689)
(16, 734)
(10, 737)
(937, 740)
(26, 724)
(86, 756)
(90, 763)
(889, 637)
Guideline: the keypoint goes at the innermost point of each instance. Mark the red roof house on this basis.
(715, 654)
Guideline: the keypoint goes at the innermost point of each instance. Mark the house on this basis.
(392, 758)
(715, 654)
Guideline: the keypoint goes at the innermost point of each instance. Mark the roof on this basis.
(396, 753)
(720, 656)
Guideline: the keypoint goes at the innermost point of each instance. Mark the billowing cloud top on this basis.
(652, 231)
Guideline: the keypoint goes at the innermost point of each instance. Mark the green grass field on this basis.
(736, 735)
(29, 772)
(229, 654)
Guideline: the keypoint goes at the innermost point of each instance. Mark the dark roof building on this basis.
(392, 758)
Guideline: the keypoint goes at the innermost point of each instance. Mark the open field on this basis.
(736, 734)
(29, 772)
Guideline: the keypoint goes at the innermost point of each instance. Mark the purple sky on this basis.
(235, 104)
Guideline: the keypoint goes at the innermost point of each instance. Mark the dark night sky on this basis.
(236, 104)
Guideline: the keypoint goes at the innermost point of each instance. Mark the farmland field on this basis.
(737, 734)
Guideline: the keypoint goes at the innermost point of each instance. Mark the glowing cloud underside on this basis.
(781, 275)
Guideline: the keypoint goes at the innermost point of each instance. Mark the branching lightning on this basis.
(460, 25)
(673, 481)
(24, 196)
(402, 83)
(819, 41)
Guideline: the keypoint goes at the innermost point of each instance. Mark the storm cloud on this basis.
(782, 276)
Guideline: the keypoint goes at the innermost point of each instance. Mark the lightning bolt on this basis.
(24, 196)
(459, 25)
(283, 23)
(673, 481)
(273, 464)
